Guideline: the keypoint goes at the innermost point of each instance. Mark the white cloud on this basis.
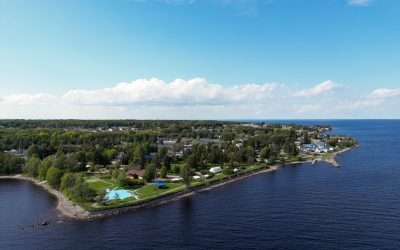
(27, 99)
(322, 88)
(197, 99)
(384, 92)
(360, 2)
(155, 92)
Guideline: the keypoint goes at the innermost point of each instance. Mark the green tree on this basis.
(293, 150)
(157, 163)
(193, 161)
(114, 174)
(81, 190)
(53, 177)
(149, 173)
(163, 172)
(186, 174)
(68, 181)
(265, 153)
(59, 160)
(163, 153)
(10, 164)
(121, 175)
(32, 167)
(44, 167)
(139, 156)
(167, 162)
(75, 187)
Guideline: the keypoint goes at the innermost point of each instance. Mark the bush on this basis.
(227, 171)
(131, 182)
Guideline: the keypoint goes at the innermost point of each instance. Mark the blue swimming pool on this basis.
(119, 194)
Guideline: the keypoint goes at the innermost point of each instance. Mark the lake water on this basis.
(298, 207)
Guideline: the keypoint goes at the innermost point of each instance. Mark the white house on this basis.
(216, 170)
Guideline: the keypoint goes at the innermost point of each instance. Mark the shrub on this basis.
(131, 182)
(227, 171)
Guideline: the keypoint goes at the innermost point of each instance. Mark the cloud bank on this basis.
(198, 99)
(155, 92)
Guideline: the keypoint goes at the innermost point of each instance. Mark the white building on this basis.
(216, 170)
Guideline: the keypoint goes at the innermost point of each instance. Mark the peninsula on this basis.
(98, 168)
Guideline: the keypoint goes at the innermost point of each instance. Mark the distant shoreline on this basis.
(72, 210)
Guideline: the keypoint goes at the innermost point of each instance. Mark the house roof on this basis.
(136, 171)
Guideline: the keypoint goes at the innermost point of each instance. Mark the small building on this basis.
(179, 154)
(216, 170)
(169, 142)
(187, 147)
(135, 172)
(321, 150)
(176, 179)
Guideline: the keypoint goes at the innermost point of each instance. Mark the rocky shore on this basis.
(332, 158)
(64, 205)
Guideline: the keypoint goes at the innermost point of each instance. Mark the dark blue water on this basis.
(297, 207)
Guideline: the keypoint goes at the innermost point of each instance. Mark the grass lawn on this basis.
(99, 185)
(151, 190)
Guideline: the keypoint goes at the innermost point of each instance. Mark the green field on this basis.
(151, 190)
(99, 185)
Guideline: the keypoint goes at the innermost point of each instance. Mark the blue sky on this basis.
(235, 58)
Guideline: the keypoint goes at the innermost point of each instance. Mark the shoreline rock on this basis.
(64, 205)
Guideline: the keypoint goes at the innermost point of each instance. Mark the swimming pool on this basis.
(120, 194)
